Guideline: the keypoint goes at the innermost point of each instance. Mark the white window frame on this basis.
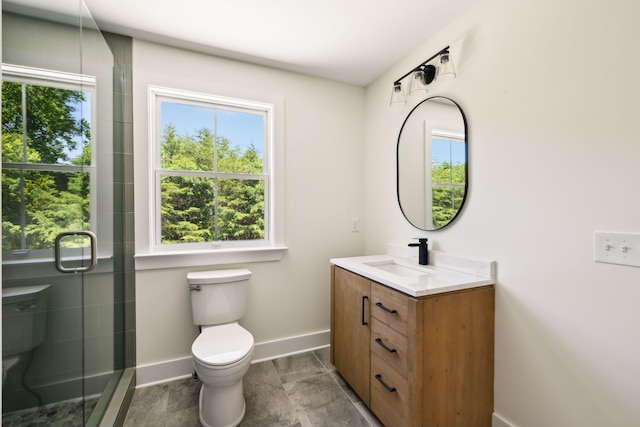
(451, 136)
(68, 81)
(185, 254)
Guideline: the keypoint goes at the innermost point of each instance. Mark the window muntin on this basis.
(212, 163)
(47, 169)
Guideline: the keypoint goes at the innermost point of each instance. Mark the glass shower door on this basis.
(61, 298)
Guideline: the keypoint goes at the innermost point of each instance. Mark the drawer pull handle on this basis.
(386, 347)
(364, 298)
(388, 310)
(389, 389)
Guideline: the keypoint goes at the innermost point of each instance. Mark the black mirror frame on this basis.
(466, 166)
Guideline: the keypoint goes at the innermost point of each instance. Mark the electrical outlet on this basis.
(617, 248)
(355, 224)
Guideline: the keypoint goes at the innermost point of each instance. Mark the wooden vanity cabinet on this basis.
(350, 329)
(418, 361)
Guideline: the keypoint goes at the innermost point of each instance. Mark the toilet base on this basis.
(225, 407)
(16, 394)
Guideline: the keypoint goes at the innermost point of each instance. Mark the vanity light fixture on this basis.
(423, 75)
(446, 68)
(397, 95)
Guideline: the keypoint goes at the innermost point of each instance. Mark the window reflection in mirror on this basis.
(448, 175)
(432, 163)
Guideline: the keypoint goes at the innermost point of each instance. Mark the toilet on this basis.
(24, 325)
(223, 350)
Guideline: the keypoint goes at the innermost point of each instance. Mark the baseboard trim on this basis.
(498, 421)
(288, 346)
(169, 370)
(73, 388)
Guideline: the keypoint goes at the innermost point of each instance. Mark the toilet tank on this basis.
(218, 296)
(24, 318)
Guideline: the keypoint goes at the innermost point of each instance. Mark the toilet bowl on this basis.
(221, 357)
(222, 352)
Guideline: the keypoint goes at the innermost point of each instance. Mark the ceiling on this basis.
(353, 41)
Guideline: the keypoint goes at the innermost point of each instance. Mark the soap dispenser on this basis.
(423, 250)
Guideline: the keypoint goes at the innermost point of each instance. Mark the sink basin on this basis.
(390, 266)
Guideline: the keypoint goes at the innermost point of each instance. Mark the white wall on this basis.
(324, 133)
(554, 156)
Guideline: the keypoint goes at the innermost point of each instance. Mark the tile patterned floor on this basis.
(296, 391)
(60, 414)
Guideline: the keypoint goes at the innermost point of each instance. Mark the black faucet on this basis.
(423, 251)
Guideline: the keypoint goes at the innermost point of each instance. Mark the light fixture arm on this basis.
(445, 50)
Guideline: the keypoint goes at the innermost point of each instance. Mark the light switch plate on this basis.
(617, 248)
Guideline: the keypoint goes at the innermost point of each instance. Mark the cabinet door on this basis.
(351, 331)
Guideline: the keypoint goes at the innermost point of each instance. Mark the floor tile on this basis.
(302, 390)
(265, 397)
(323, 356)
(298, 367)
(319, 401)
(148, 406)
(188, 417)
(69, 412)
(346, 387)
(183, 395)
(368, 415)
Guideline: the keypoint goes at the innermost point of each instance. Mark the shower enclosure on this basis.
(66, 229)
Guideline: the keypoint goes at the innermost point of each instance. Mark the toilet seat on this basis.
(222, 345)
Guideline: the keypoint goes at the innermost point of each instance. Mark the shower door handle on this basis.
(58, 252)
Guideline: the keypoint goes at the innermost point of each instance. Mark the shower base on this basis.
(66, 413)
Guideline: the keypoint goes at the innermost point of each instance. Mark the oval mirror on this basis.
(432, 168)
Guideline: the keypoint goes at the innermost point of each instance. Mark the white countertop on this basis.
(418, 280)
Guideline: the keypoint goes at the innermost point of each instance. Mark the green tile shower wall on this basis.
(123, 187)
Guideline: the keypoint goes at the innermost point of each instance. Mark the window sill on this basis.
(162, 260)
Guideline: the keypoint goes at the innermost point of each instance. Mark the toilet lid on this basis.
(222, 344)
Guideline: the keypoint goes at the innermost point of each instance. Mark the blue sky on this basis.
(81, 110)
(451, 151)
(242, 129)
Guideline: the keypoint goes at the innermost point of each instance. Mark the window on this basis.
(47, 161)
(448, 170)
(212, 167)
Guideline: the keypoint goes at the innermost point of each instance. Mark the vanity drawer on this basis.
(390, 307)
(389, 394)
(390, 346)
